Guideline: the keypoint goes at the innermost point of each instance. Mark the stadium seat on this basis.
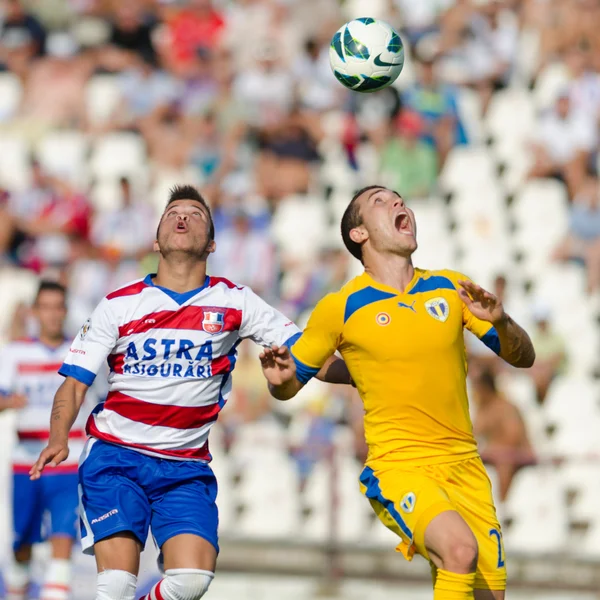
(537, 508)
(102, 97)
(510, 118)
(119, 154)
(582, 479)
(16, 286)
(14, 162)
(552, 79)
(470, 111)
(468, 168)
(299, 227)
(63, 153)
(10, 95)
(569, 398)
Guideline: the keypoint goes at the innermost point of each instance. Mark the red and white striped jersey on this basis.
(170, 356)
(30, 368)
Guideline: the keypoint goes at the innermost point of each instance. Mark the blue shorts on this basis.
(123, 490)
(43, 508)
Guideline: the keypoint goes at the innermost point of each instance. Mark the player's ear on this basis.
(155, 246)
(359, 235)
(211, 247)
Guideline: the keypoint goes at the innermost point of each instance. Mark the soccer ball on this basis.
(366, 54)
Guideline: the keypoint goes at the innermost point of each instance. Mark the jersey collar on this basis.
(180, 298)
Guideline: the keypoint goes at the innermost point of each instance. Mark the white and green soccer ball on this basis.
(366, 55)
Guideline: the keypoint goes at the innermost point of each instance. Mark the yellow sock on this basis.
(453, 586)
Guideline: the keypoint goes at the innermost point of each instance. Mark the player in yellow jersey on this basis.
(400, 332)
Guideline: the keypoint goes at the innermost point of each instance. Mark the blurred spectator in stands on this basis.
(500, 431)
(550, 354)
(198, 88)
(420, 18)
(288, 150)
(407, 163)
(245, 255)
(583, 240)
(584, 86)
(267, 88)
(22, 38)
(188, 27)
(126, 232)
(54, 90)
(437, 104)
(131, 31)
(147, 93)
(312, 73)
(564, 142)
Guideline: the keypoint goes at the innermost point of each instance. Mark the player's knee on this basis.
(461, 555)
(185, 584)
(114, 584)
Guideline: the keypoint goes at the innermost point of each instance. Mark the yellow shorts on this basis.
(407, 498)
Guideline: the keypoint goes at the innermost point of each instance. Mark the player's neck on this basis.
(180, 275)
(51, 340)
(391, 270)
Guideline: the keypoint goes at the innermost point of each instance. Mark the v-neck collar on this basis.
(418, 273)
(180, 298)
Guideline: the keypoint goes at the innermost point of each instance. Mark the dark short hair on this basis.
(189, 192)
(352, 219)
(47, 285)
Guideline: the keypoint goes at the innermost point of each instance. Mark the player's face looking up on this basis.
(185, 227)
(388, 225)
(50, 311)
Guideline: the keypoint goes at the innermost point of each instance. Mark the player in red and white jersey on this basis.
(170, 341)
(28, 382)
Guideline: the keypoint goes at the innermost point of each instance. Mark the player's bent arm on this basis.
(516, 347)
(67, 402)
(334, 371)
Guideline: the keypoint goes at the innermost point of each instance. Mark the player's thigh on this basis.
(188, 551)
(27, 510)
(450, 543)
(489, 594)
(120, 551)
(405, 501)
(111, 498)
(471, 493)
(185, 516)
(61, 502)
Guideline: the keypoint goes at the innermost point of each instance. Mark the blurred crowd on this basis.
(237, 97)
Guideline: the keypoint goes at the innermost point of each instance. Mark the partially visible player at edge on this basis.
(170, 340)
(400, 331)
(28, 382)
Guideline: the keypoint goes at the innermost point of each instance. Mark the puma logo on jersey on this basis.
(409, 306)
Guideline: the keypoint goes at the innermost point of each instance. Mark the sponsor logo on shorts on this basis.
(105, 516)
(407, 504)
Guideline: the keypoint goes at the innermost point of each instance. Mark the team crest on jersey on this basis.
(213, 322)
(438, 308)
(383, 319)
(85, 328)
(407, 504)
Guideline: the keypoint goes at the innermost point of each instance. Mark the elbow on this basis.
(525, 362)
(282, 394)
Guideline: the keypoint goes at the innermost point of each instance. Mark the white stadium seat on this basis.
(10, 95)
(118, 154)
(63, 153)
(468, 168)
(102, 98)
(550, 82)
(14, 162)
(510, 118)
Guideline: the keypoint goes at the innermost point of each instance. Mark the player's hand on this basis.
(53, 454)
(277, 364)
(482, 304)
(16, 401)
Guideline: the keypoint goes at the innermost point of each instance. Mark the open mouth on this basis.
(402, 224)
(181, 227)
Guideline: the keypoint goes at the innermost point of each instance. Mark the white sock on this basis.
(114, 584)
(181, 584)
(16, 580)
(57, 580)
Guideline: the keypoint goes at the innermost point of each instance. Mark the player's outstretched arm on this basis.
(67, 402)
(279, 370)
(516, 347)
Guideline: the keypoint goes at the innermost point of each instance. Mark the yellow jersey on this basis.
(406, 354)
